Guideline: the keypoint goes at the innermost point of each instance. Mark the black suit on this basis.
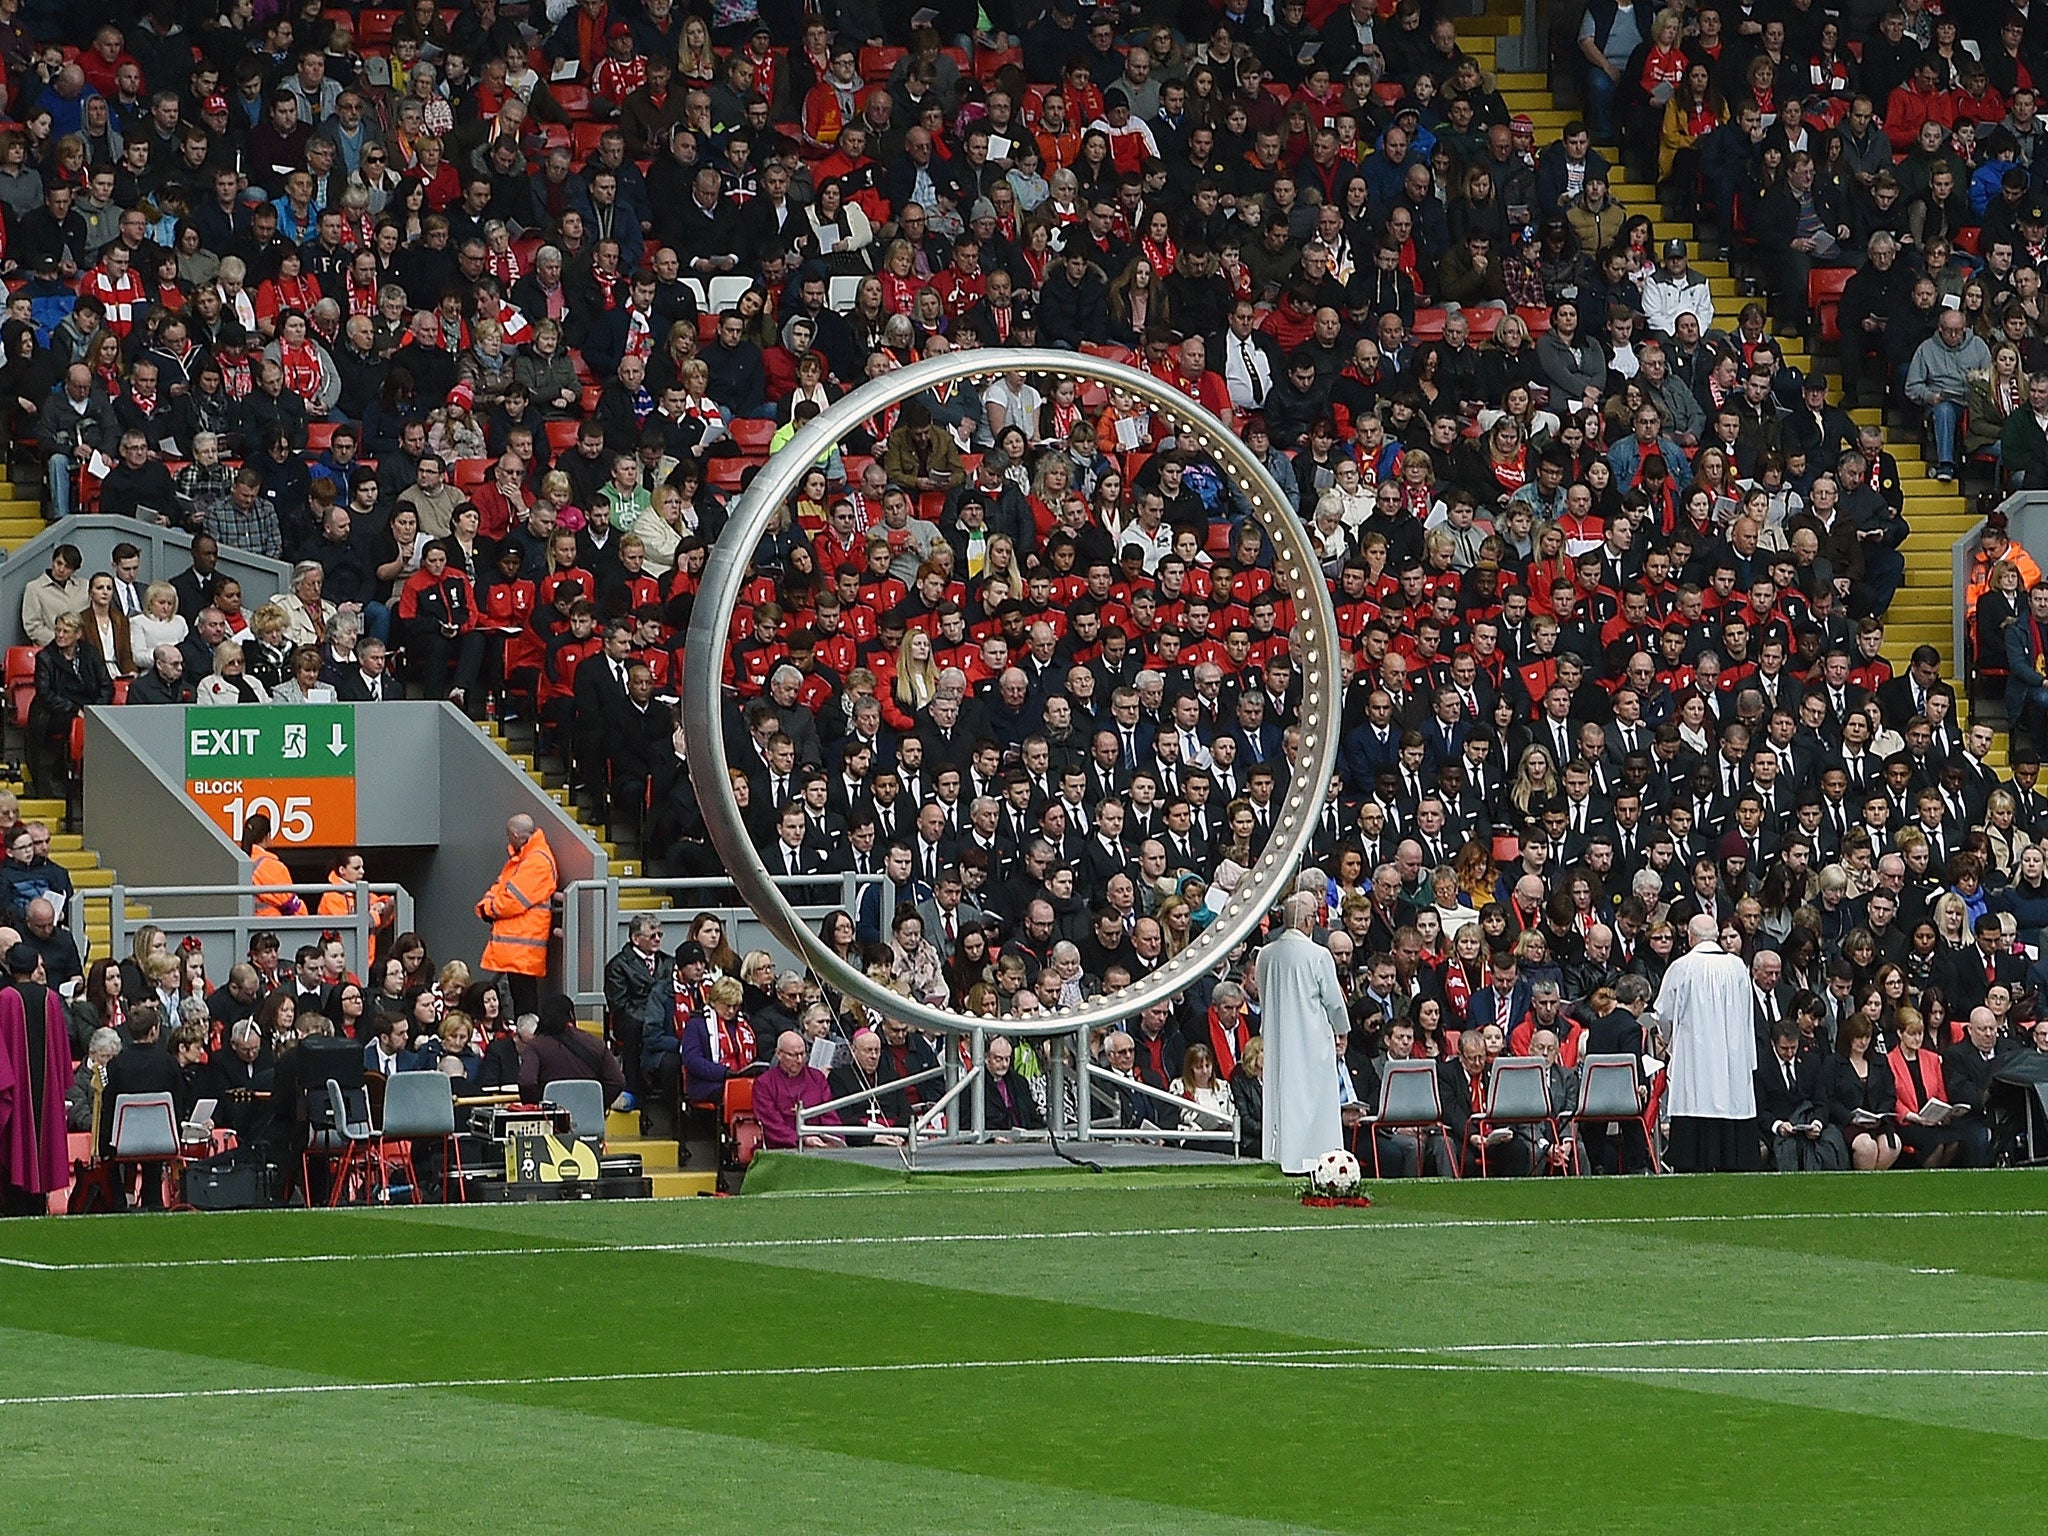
(599, 695)
(1008, 1104)
(354, 688)
(635, 739)
(1795, 1103)
(1963, 977)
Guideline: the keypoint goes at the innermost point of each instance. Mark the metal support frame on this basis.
(1317, 649)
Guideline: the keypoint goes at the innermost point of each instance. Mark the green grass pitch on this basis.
(1189, 1353)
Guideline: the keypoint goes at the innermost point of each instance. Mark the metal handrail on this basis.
(359, 924)
(1090, 1072)
(585, 984)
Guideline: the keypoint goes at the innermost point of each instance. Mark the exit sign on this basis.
(294, 763)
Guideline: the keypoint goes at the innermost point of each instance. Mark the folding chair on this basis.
(1410, 1101)
(420, 1106)
(1607, 1093)
(1517, 1095)
(358, 1155)
(146, 1132)
(741, 1133)
(584, 1100)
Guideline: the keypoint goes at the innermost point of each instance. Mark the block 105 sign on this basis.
(293, 764)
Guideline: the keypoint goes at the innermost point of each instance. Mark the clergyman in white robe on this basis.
(1704, 1011)
(1303, 1012)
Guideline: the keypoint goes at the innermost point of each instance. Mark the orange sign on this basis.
(304, 813)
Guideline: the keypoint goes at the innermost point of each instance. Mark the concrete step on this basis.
(655, 1156)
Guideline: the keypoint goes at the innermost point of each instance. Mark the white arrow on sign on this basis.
(338, 745)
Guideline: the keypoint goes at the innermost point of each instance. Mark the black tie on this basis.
(1790, 1085)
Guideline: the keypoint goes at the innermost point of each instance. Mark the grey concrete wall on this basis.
(137, 817)
(480, 790)
(164, 554)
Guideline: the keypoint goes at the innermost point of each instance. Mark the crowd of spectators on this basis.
(476, 322)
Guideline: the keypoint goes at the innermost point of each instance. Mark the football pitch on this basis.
(1188, 1352)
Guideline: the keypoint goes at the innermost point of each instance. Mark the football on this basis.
(1338, 1173)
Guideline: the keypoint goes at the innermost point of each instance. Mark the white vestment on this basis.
(1704, 1011)
(1303, 1012)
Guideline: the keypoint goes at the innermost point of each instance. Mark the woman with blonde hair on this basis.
(230, 682)
(159, 623)
(1995, 394)
(917, 676)
(1198, 1081)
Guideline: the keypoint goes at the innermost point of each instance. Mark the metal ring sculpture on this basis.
(1295, 568)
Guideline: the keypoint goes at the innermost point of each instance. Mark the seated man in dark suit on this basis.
(1967, 1067)
(388, 1051)
(1787, 1092)
(1006, 1096)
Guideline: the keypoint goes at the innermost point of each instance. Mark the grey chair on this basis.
(146, 1132)
(420, 1106)
(583, 1098)
(1608, 1093)
(1410, 1101)
(1517, 1097)
(359, 1158)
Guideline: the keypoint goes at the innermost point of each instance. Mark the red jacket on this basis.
(1930, 1075)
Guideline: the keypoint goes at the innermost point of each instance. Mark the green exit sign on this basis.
(270, 741)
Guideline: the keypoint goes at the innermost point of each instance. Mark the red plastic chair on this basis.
(585, 137)
(21, 680)
(1428, 326)
(471, 473)
(1482, 323)
(573, 99)
(1969, 239)
(725, 473)
(742, 1135)
(374, 28)
(876, 63)
(1537, 318)
(562, 435)
(989, 62)
(319, 436)
(753, 435)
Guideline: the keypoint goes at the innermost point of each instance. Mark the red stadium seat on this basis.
(1536, 317)
(1824, 287)
(875, 63)
(1969, 239)
(989, 62)
(585, 136)
(1483, 323)
(319, 436)
(1389, 92)
(21, 680)
(726, 473)
(591, 393)
(524, 247)
(1428, 326)
(470, 473)
(374, 28)
(930, 504)
(121, 687)
(561, 436)
(752, 435)
(78, 740)
(573, 99)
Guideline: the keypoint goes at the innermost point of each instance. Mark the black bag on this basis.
(245, 1179)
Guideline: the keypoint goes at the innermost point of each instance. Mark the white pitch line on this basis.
(1273, 1359)
(914, 1239)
